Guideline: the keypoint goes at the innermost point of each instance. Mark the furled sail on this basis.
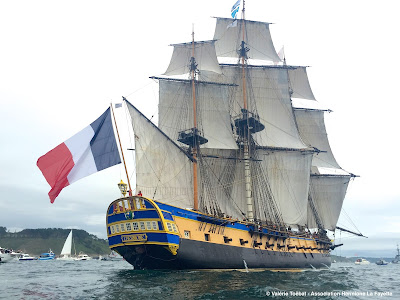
(204, 54)
(228, 36)
(176, 112)
(163, 170)
(300, 84)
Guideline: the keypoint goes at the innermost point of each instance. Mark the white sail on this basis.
(257, 38)
(288, 177)
(300, 84)
(328, 193)
(268, 96)
(217, 172)
(66, 250)
(213, 116)
(204, 54)
(163, 170)
(328, 181)
(313, 132)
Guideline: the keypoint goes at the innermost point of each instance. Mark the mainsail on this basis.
(66, 250)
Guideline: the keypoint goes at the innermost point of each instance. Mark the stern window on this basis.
(122, 227)
(169, 226)
(148, 225)
(117, 228)
(142, 227)
(112, 229)
(128, 227)
(155, 225)
(135, 226)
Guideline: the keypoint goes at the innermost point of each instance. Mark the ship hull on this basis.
(153, 235)
(202, 255)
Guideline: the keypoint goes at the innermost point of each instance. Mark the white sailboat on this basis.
(67, 248)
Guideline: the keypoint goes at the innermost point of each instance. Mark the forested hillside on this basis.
(36, 241)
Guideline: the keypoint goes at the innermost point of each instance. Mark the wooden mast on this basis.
(122, 152)
(195, 187)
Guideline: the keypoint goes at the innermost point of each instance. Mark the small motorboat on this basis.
(47, 256)
(381, 262)
(362, 261)
(25, 256)
(82, 256)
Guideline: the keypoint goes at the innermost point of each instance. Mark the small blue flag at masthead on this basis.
(235, 9)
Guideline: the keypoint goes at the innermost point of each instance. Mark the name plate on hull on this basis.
(134, 238)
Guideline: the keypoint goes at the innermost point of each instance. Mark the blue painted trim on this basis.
(192, 215)
(151, 237)
(167, 216)
(144, 214)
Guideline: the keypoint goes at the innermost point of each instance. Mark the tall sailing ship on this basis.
(234, 175)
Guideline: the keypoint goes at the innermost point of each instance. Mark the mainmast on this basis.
(246, 124)
(246, 154)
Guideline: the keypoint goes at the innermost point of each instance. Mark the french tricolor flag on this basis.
(91, 150)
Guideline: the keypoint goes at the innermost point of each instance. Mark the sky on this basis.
(63, 62)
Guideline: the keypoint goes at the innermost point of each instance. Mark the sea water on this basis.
(117, 280)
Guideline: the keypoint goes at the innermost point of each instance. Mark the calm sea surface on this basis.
(117, 280)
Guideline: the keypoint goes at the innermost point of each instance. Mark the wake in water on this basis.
(245, 266)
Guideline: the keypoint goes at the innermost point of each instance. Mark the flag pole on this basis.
(122, 152)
